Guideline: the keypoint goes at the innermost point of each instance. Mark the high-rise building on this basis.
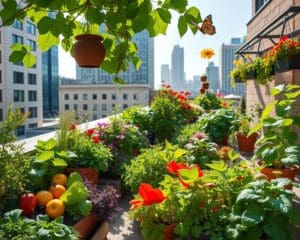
(165, 73)
(177, 68)
(50, 83)
(212, 72)
(145, 74)
(21, 86)
(226, 65)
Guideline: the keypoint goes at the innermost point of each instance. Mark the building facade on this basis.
(94, 101)
(50, 83)
(212, 72)
(21, 86)
(177, 68)
(145, 74)
(226, 65)
(165, 73)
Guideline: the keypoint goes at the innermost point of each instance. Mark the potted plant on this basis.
(263, 68)
(277, 149)
(208, 101)
(243, 71)
(286, 54)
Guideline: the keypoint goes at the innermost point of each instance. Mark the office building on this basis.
(177, 68)
(165, 73)
(212, 72)
(226, 65)
(145, 74)
(21, 86)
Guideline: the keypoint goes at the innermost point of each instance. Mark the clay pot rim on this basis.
(89, 36)
(245, 135)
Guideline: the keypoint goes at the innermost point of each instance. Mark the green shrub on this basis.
(208, 101)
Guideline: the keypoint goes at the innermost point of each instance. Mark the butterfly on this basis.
(207, 26)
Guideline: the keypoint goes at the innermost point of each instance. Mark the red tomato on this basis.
(27, 204)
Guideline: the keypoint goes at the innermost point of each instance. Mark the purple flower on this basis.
(111, 146)
(102, 124)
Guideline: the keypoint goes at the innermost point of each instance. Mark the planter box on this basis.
(86, 225)
(291, 63)
(101, 232)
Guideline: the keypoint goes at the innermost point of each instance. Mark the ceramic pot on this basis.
(90, 174)
(169, 232)
(86, 225)
(291, 63)
(289, 173)
(89, 51)
(246, 144)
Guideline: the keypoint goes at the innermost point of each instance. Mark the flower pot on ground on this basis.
(169, 233)
(272, 173)
(246, 143)
(90, 174)
(89, 51)
(86, 225)
(291, 63)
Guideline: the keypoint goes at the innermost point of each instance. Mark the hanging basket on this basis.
(89, 51)
(251, 75)
(238, 80)
(292, 63)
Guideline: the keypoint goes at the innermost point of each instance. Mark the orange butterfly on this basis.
(207, 26)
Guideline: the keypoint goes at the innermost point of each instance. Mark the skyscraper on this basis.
(19, 85)
(177, 68)
(226, 65)
(165, 73)
(212, 72)
(50, 82)
(144, 75)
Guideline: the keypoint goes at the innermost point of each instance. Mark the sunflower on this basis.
(207, 53)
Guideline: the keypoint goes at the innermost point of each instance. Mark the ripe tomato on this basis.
(27, 204)
(60, 179)
(43, 197)
(57, 190)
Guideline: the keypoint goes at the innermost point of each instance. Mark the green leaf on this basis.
(189, 175)
(50, 144)
(269, 155)
(278, 89)
(294, 216)
(118, 80)
(282, 204)
(247, 194)
(178, 5)
(179, 153)
(291, 159)
(192, 15)
(293, 150)
(182, 25)
(29, 60)
(45, 156)
(137, 62)
(8, 12)
(266, 112)
(45, 24)
(74, 177)
(85, 207)
(17, 56)
(217, 165)
(164, 14)
(156, 25)
(75, 194)
(253, 233)
(58, 162)
(46, 41)
(255, 129)
(276, 228)
(141, 20)
(293, 95)
(93, 15)
(252, 216)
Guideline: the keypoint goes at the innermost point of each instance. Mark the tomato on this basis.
(27, 204)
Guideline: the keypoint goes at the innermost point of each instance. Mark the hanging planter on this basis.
(89, 51)
(291, 63)
(251, 75)
(237, 79)
(203, 78)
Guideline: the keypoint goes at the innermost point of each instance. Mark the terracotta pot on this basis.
(223, 141)
(90, 174)
(205, 85)
(203, 78)
(246, 144)
(86, 225)
(289, 173)
(169, 232)
(89, 51)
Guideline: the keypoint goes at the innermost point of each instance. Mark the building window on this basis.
(259, 4)
(0, 57)
(125, 96)
(67, 107)
(18, 96)
(85, 107)
(104, 96)
(75, 106)
(17, 39)
(18, 25)
(33, 112)
(18, 77)
(0, 76)
(75, 96)
(114, 96)
(104, 108)
(113, 106)
(104, 115)
(32, 125)
(20, 131)
(31, 28)
(1, 96)
(135, 96)
(1, 115)
(85, 96)
(32, 96)
(94, 96)
(94, 107)
(32, 44)
(125, 106)
(95, 116)
(66, 96)
(31, 79)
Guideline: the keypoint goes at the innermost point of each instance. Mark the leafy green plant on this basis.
(14, 163)
(14, 227)
(90, 154)
(75, 198)
(242, 106)
(242, 70)
(278, 145)
(263, 69)
(263, 210)
(208, 101)
(47, 161)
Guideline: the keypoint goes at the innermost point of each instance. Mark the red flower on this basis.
(96, 139)
(89, 132)
(149, 196)
(173, 167)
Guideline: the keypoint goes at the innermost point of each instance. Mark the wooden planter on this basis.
(246, 144)
(291, 63)
(89, 51)
(86, 225)
(90, 174)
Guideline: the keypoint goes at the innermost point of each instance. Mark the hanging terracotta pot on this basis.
(246, 144)
(89, 51)
(203, 78)
(205, 85)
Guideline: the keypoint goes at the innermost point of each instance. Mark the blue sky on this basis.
(230, 18)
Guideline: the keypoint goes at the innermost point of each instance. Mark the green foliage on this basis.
(263, 208)
(123, 19)
(89, 154)
(14, 227)
(208, 101)
(243, 106)
(263, 68)
(75, 197)
(279, 135)
(64, 133)
(14, 163)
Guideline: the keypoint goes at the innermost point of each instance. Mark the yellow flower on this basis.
(207, 53)
(238, 62)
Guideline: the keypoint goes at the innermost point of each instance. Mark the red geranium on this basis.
(173, 167)
(149, 196)
(89, 132)
(96, 139)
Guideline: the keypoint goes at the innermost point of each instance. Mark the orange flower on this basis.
(207, 53)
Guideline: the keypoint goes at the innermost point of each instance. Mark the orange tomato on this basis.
(43, 197)
(57, 190)
(60, 179)
(55, 208)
